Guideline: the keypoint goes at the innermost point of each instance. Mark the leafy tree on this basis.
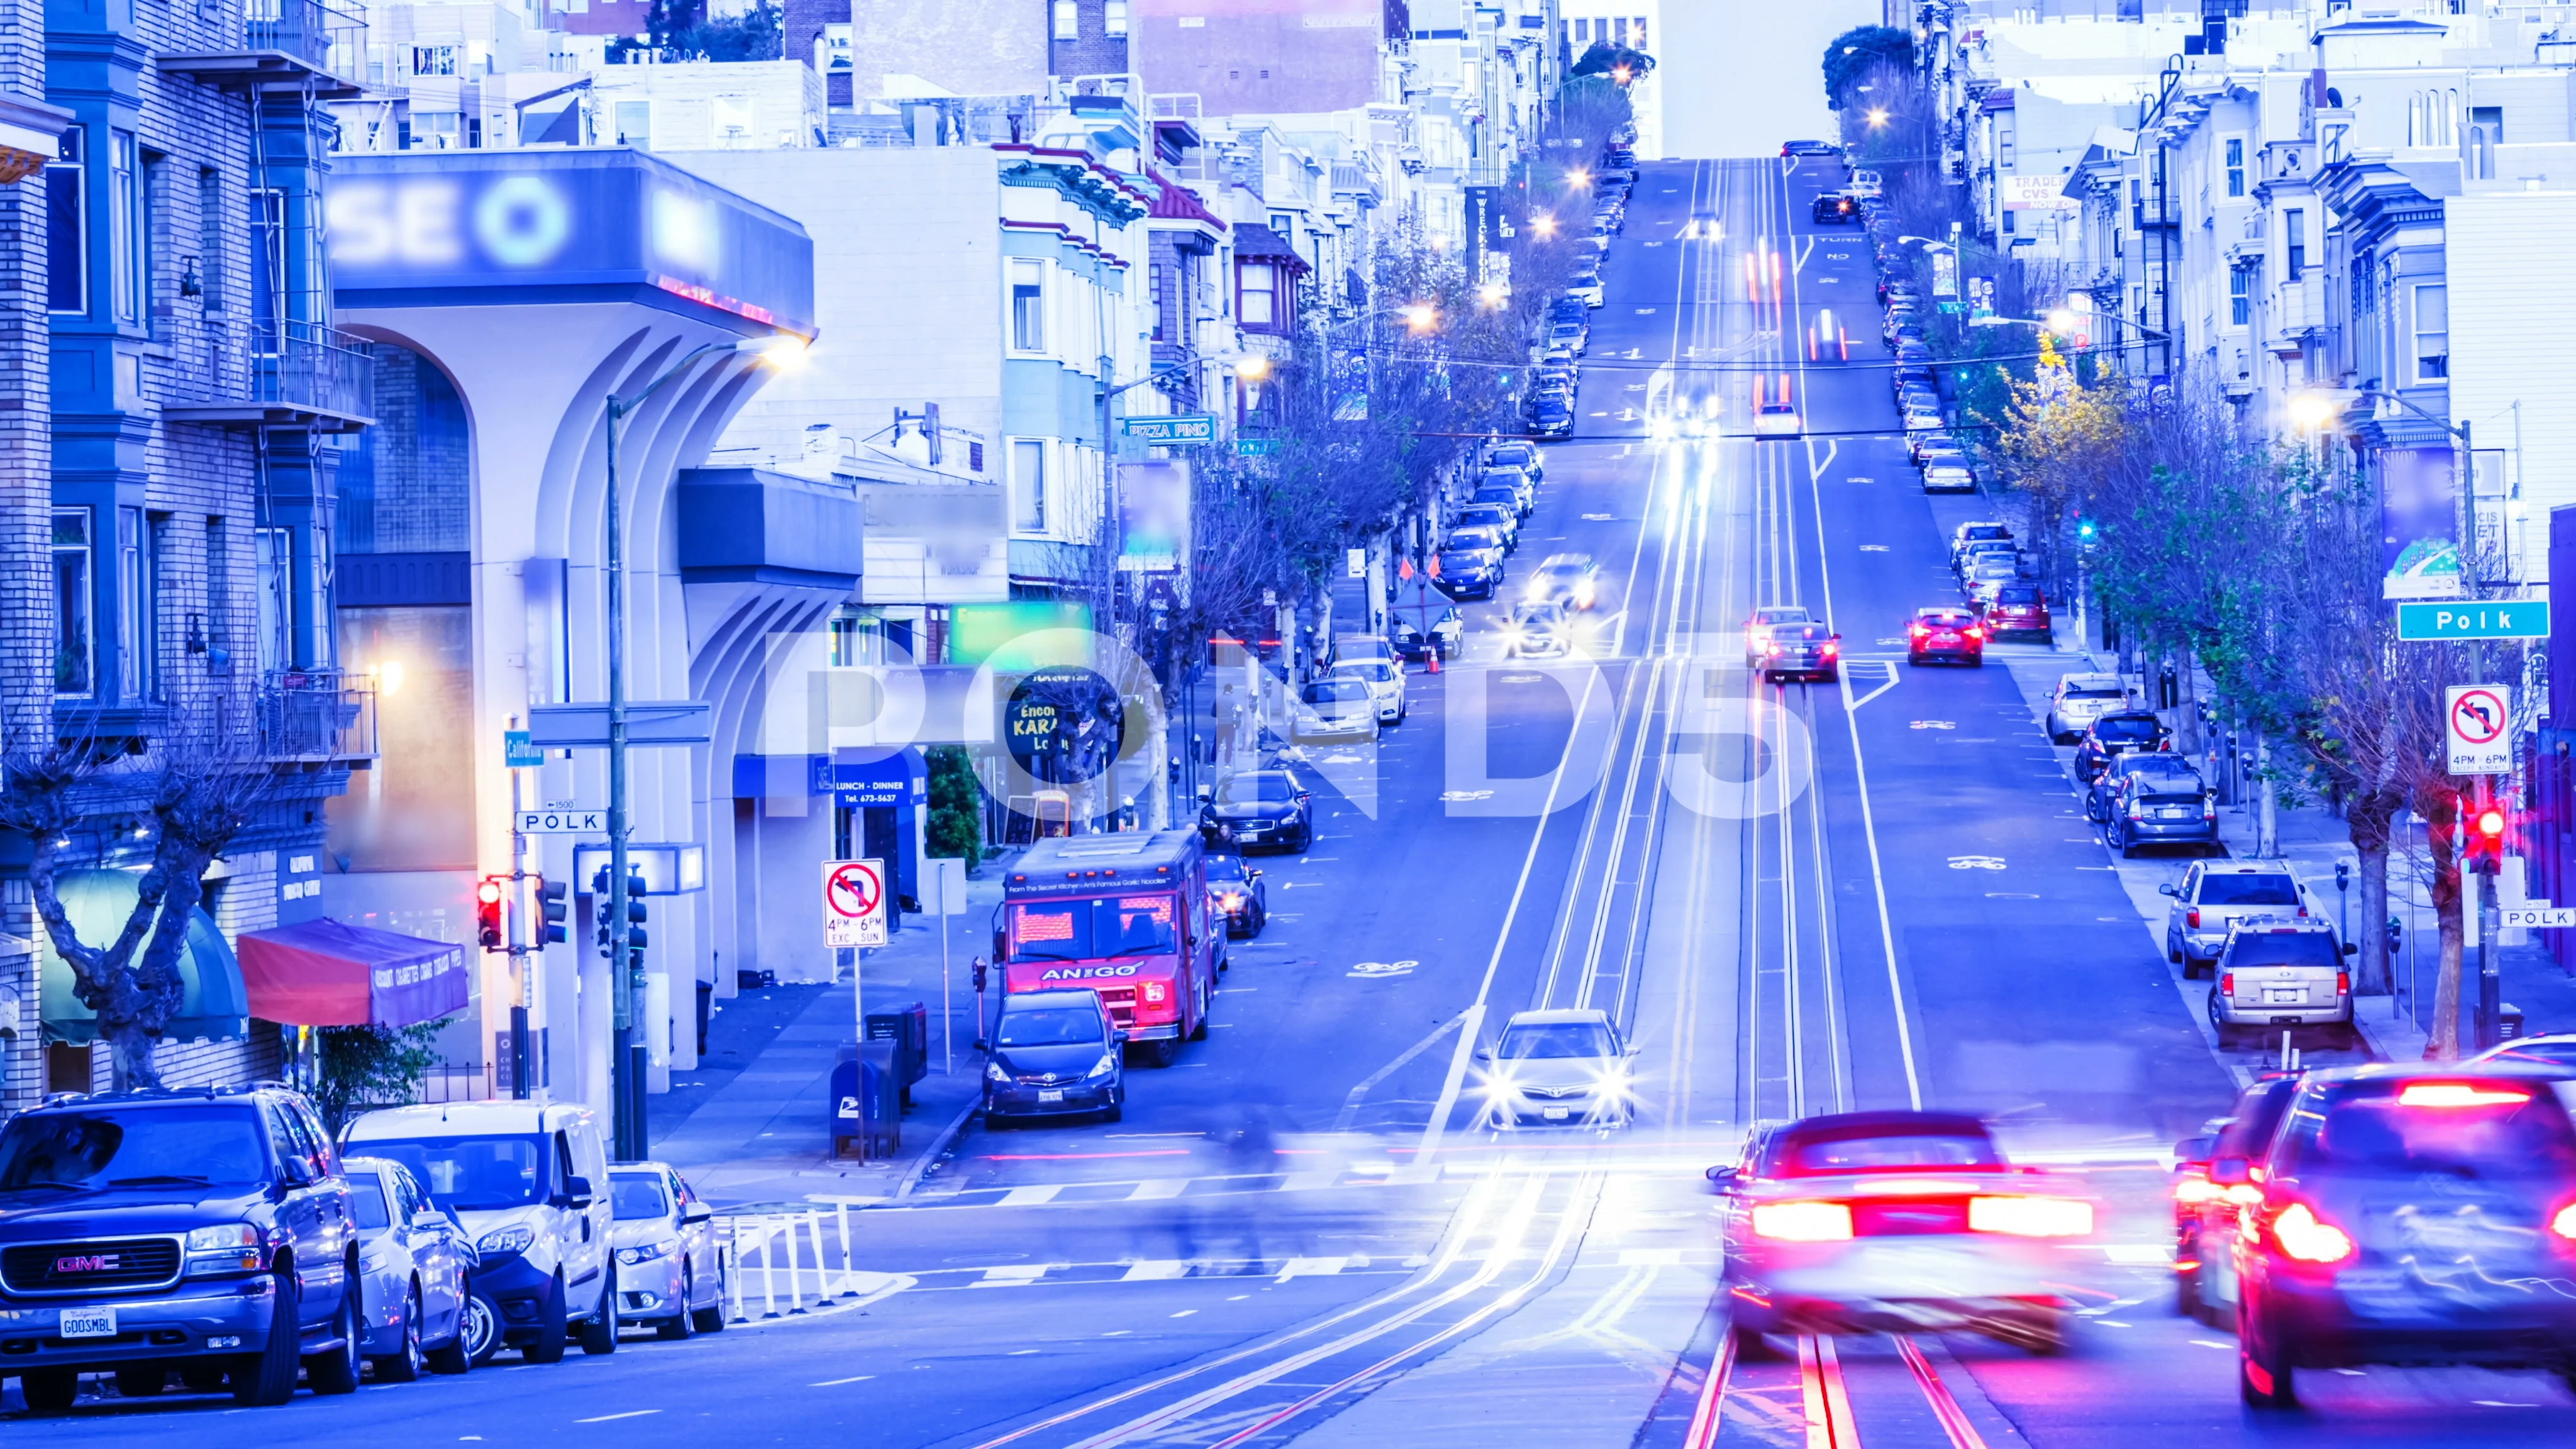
(1860, 52)
(682, 30)
(361, 1067)
(956, 806)
(1617, 63)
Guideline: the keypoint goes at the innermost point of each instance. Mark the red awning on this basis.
(327, 973)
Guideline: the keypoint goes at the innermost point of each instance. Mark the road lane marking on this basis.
(1159, 1189)
(836, 1383)
(1153, 1270)
(607, 1418)
(1014, 1275)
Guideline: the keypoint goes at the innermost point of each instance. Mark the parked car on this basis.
(209, 1233)
(1468, 569)
(2080, 699)
(671, 1271)
(1424, 632)
(1981, 532)
(2020, 608)
(1383, 679)
(2281, 973)
(1334, 708)
(2411, 1213)
(1945, 631)
(1810, 148)
(1237, 893)
(1549, 416)
(416, 1267)
(1524, 487)
(1948, 477)
(1566, 1067)
(2209, 898)
(2153, 800)
(529, 1180)
(1054, 1054)
(1251, 808)
(2113, 735)
(1497, 517)
(1513, 454)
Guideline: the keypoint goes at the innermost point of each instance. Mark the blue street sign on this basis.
(2473, 619)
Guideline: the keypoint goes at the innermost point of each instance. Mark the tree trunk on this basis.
(2367, 822)
(2268, 831)
(2441, 823)
(130, 1050)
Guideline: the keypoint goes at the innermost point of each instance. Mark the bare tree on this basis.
(200, 785)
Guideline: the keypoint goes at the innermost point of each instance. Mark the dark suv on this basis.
(207, 1232)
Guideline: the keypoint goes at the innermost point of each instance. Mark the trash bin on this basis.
(706, 1009)
(864, 1106)
(906, 1032)
(2508, 1022)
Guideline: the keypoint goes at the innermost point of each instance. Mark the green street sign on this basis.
(1255, 447)
(517, 753)
(1176, 428)
(2474, 619)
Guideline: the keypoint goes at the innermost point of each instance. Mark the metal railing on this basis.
(316, 714)
(309, 30)
(305, 364)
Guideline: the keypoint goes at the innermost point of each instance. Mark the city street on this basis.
(1796, 898)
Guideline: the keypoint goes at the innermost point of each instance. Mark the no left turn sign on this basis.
(854, 903)
(2479, 721)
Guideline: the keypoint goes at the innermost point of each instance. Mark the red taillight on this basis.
(1976, 633)
(2310, 1239)
(2031, 1217)
(2343, 983)
(1775, 649)
(1803, 1222)
(2191, 918)
(2564, 1224)
(2227, 984)
(1917, 630)
(2137, 810)
(1830, 650)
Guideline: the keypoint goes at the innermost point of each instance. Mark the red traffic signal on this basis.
(490, 927)
(2488, 825)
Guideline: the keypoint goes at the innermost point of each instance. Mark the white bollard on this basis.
(795, 1267)
(822, 1265)
(847, 1273)
(732, 1261)
(768, 1272)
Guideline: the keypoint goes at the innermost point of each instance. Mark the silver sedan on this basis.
(416, 1263)
(670, 1272)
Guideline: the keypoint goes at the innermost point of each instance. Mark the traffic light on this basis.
(554, 908)
(2485, 850)
(2086, 532)
(635, 913)
(490, 926)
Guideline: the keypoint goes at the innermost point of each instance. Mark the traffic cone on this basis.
(1435, 657)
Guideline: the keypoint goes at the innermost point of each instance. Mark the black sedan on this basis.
(1469, 573)
(1259, 808)
(1550, 415)
(1835, 208)
(1235, 891)
(2113, 735)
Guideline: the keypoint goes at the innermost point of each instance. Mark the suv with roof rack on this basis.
(206, 1233)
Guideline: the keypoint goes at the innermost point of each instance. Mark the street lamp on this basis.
(1543, 225)
(1578, 178)
(1877, 117)
(625, 1062)
(1420, 316)
(1492, 295)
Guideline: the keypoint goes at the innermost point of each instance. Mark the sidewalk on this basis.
(751, 1127)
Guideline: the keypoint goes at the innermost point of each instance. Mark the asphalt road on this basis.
(1795, 898)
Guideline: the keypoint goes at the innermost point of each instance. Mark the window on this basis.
(635, 124)
(1258, 283)
(73, 655)
(138, 541)
(1618, 31)
(433, 60)
(275, 551)
(212, 242)
(125, 226)
(2240, 296)
(2235, 166)
(2489, 119)
(1154, 296)
(1284, 223)
(219, 598)
(1028, 305)
(66, 230)
(267, 270)
(436, 130)
(1113, 17)
(1028, 487)
(2432, 333)
(733, 121)
(2294, 231)
(1640, 23)
(1583, 33)
(1068, 20)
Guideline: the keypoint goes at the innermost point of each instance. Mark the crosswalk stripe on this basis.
(1031, 1196)
(1312, 1268)
(1154, 1268)
(1013, 1275)
(1158, 1189)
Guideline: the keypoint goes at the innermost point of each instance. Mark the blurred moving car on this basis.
(1835, 208)
(1897, 1221)
(2080, 699)
(1334, 708)
(2408, 1214)
(2205, 1214)
(1757, 630)
(1568, 580)
(1565, 1066)
(1054, 1053)
(415, 1267)
(2211, 896)
(2550, 1049)
(2113, 735)
(2281, 973)
(1538, 630)
(671, 1273)
(1777, 419)
(1383, 680)
(1236, 892)
(1802, 651)
(1945, 631)
(1252, 808)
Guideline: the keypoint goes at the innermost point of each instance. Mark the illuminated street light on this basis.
(1492, 294)
(1877, 116)
(1578, 178)
(2313, 411)
(1421, 316)
(1543, 225)
(2062, 320)
(1619, 74)
(1252, 368)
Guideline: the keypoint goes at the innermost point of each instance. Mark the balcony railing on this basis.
(309, 30)
(317, 714)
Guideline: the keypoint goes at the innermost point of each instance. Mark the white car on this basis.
(670, 1271)
(1589, 293)
(1538, 630)
(1334, 708)
(1777, 420)
(1866, 184)
(1757, 630)
(1564, 1068)
(1949, 478)
(2081, 699)
(530, 1181)
(1385, 681)
(417, 1266)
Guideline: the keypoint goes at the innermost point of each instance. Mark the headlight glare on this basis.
(223, 1237)
(501, 1242)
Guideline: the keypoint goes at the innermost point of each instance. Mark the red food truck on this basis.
(1126, 915)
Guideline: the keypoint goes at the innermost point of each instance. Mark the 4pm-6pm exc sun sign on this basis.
(2473, 619)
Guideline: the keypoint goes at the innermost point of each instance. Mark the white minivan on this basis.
(529, 1181)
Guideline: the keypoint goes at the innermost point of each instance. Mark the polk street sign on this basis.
(854, 903)
(2474, 619)
(563, 822)
(2479, 719)
(1173, 428)
(2538, 918)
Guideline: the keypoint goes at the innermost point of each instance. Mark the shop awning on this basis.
(99, 903)
(329, 973)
